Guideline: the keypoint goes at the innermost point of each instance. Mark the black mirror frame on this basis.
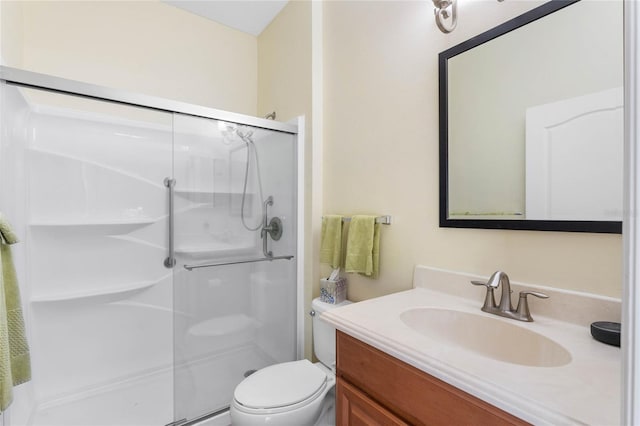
(608, 227)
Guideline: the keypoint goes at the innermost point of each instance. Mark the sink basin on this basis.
(490, 337)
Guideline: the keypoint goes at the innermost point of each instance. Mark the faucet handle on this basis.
(534, 293)
(493, 282)
(489, 300)
(476, 282)
(522, 311)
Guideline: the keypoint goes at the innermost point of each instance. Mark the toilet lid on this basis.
(280, 385)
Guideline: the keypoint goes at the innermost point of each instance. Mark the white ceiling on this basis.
(249, 16)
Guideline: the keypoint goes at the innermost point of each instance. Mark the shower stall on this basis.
(159, 259)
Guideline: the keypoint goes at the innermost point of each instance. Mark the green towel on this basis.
(331, 240)
(6, 233)
(363, 246)
(15, 364)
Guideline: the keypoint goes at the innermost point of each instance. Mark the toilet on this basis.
(293, 393)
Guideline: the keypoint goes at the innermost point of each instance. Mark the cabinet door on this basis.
(354, 408)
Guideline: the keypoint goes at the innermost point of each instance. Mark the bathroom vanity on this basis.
(376, 388)
(430, 356)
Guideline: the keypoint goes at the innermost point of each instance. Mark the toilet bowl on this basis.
(291, 393)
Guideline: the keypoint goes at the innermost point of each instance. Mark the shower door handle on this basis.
(170, 261)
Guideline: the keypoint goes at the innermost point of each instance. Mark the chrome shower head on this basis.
(244, 133)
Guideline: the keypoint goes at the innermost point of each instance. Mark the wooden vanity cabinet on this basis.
(355, 408)
(374, 388)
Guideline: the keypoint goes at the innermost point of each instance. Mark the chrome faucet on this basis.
(505, 308)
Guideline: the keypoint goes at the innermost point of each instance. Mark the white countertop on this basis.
(584, 391)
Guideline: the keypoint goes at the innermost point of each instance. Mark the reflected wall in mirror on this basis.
(531, 128)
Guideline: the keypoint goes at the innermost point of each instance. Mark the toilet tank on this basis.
(324, 334)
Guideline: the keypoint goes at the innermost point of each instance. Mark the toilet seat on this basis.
(281, 387)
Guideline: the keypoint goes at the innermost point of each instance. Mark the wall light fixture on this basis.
(445, 10)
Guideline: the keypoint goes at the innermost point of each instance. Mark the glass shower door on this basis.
(82, 182)
(234, 309)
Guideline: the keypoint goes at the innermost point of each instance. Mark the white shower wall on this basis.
(116, 338)
(99, 304)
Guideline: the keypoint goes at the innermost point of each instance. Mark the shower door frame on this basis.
(29, 79)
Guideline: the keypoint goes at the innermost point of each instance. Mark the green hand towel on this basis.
(331, 240)
(6, 233)
(15, 364)
(363, 246)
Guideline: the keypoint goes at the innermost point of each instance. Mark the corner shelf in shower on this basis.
(224, 326)
(141, 221)
(213, 250)
(208, 196)
(104, 294)
(72, 159)
(197, 191)
(115, 226)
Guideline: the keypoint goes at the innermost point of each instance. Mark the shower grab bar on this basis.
(235, 262)
(170, 261)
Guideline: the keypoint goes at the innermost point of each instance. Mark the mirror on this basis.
(531, 122)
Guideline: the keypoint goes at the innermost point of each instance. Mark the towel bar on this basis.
(383, 220)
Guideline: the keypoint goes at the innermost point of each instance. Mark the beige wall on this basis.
(142, 46)
(381, 153)
(11, 33)
(285, 86)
